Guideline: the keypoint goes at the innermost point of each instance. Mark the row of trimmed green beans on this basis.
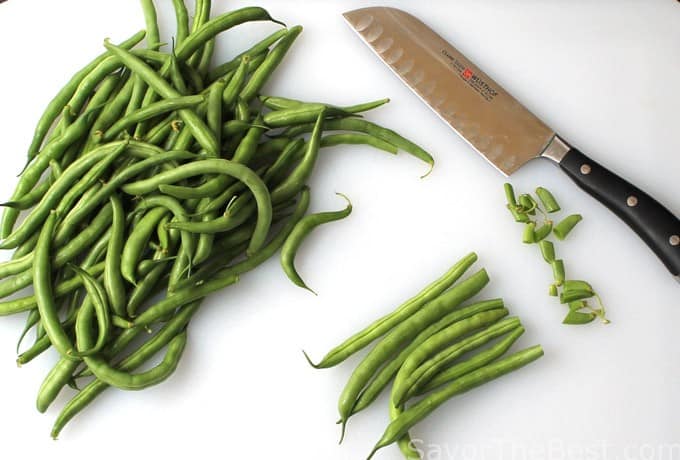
(153, 180)
(431, 348)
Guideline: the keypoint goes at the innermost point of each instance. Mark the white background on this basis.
(604, 74)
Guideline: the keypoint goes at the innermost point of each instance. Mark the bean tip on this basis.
(343, 428)
(429, 171)
(309, 360)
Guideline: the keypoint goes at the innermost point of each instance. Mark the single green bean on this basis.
(300, 232)
(271, 62)
(151, 111)
(42, 283)
(363, 126)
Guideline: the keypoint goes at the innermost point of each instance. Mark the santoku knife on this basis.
(499, 127)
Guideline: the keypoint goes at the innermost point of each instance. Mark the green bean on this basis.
(528, 204)
(217, 25)
(228, 221)
(25, 248)
(113, 280)
(519, 216)
(292, 184)
(32, 319)
(434, 365)
(480, 359)
(208, 189)
(136, 359)
(206, 58)
(65, 254)
(282, 103)
(402, 333)
(138, 241)
(543, 231)
(363, 126)
(11, 307)
(55, 380)
(274, 174)
(182, 297)
(109, 114)
(138, 90)
(201, 16)
(575, 294)
(529, 233)
(258, 49)
(42, 283)
(153, 38)
(300, 232)
(305, 113)
(565, 226)
(160, 132)
(332, 140)
(552, 291)
(214, 112)
(405, 443)
(154, 376)
(577, 317)
(95, 303)
(576, 285)
(381, 326)
(89, 179)
(436, 343)
(97, 251)
(510, 194)
(31, 198)
(151, 111)
(76, 216)
(380, 381)
(197, 127)
(56, 105)
(577, 305)
(176, 208)
(217, 166)
(547, 199)
(182, 18)
(253, 261)
(271, 62)
(33, 172)
(547, 250)
(238, 79)
(558, 271)
(144, 288)
(414, 414)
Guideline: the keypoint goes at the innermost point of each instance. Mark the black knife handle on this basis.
(655, 224)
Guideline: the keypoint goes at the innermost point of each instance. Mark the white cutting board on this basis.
(604, 74)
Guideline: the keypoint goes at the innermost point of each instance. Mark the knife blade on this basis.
(498, 126)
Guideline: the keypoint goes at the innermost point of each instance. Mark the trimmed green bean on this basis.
(381, 326)
(414, 414)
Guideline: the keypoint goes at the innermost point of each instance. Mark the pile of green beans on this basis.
(153, 180)
(429, 348)
(573, 293)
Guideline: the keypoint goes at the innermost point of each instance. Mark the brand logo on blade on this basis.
(475, 81)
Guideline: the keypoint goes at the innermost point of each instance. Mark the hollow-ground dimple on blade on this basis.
(483, 113)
